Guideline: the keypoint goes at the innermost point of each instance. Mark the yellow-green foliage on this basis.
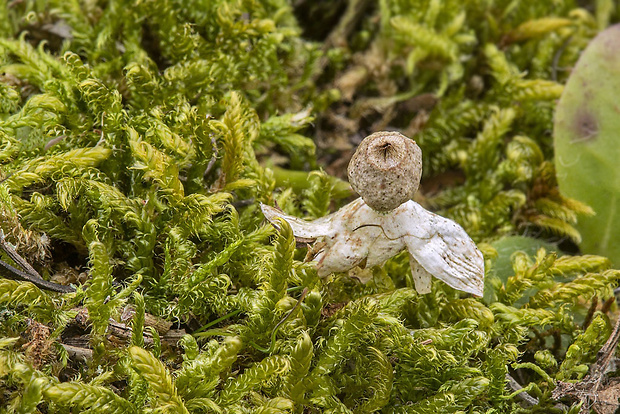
(137, 139)
(160, 382)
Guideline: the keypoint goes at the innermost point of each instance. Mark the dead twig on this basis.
(527, 399)
(590, 315)
(353, 13)
(595, 391)
(27, 273)
(78, 353)
(121, 333)
(213, 157)
(338, 36)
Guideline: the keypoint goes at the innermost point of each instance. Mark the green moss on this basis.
(138, 139)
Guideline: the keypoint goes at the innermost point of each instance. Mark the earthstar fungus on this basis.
(385, 171)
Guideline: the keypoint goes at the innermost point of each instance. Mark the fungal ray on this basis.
(357, 235)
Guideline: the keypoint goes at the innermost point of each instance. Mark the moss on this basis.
(137, 140)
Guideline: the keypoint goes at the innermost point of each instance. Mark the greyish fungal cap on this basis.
(386, 170)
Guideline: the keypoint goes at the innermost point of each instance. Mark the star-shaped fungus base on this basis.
(357, 235)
